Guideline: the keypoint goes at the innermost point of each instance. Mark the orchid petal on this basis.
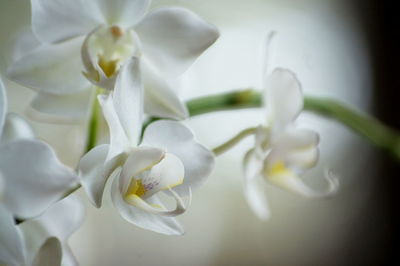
(59, 20)
(254, 191)
(283, 99)
(22, 43)
(49, 254)
(157, 210)
(160, 98)
(94, 172)
(291, 182)
(3, 105)
(164, 175)
(128, 100)
(125, 13)
(11, 246)
(144, 219)
(139, 160)
(174, 37)
(64, 109)
(54, 69)
(41, 181)
(303, 159)
(15, 128)
(60, 221)
(177, 139)
(118, 140)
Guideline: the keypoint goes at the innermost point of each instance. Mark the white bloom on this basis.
(42, 240)
(168, 159)
(33, 176)
(97, 37)
(282, 151)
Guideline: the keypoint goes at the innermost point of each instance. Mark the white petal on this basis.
(63, 109)
(128, 100)
(143, 219)
(139, 160)
(11, 247)
(268, 53)
(174, 37)
(254, 189)
(125, 13)
(292, 183)
(60, 220)
(50, 253)
(303, 159)
(168, 173)
(58, 20)
(283, 98)
(42, 180)
(3, 105)
(177, 139)
(119, 142)
(161, 99)
(94, 172)
(55, 69)
(297, 138)
(15, 128)
(21, 44)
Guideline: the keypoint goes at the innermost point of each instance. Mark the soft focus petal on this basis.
(60, 220)
(283, 98)
(268, 52)
(128, 100)
(94, 172)
(16, 127)
(303, 159)
(297, 138)
(21, 43)
(291, 182)
(42, 180)
(174, 37)
(139, 160)
(49, 254)
(124, 13)
(254, 190)
(59, 20)
(64, 109)
(3, 105)
(177, 139)
(161, 99)
(144, 219)
(55, 69)
(11, 247)
(119, 142)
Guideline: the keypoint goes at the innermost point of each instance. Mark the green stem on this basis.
(233, 141)
(93, 124)
(370, 128)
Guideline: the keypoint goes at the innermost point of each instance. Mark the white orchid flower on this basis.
(167, 160)
(34, 178)
(97, 37)
(42, 240)
(282, 151)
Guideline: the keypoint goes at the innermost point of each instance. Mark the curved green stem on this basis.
(233, 141)
(370, 128)
(93, 123)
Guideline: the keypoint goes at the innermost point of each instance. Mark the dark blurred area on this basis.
(380, 19)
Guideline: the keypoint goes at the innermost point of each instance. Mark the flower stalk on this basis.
(370, 128)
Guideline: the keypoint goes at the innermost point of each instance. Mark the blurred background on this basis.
(347, 50)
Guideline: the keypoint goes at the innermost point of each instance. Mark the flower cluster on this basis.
(124, 59)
